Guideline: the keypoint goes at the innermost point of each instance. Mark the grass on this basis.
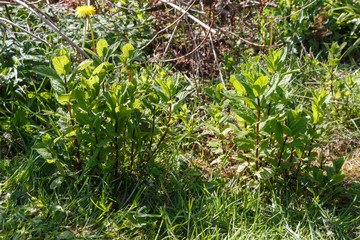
(171, 207)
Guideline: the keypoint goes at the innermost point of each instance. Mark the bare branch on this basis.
(189, 15)
(195, 49)
(24, 30)
(53, 26)
(164, 29)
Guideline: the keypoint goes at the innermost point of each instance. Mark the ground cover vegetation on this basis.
(180, 119)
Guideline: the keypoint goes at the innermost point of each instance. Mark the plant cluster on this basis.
(109, 141)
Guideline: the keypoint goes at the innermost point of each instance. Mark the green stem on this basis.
(257, 135)
(76, 143)
(9, 16)
(281, 152)
(92, 33)
(85, 30)
(116, 149)
(332, 79)
(163, 136)
(132, 151)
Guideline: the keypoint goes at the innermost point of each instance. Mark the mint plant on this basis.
(273, 138)
(110, 122)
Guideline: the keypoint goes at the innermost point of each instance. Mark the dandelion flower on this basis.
(85, 11)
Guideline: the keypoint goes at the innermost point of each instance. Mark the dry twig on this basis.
(26, 31)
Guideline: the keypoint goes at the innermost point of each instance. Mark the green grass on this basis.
(171, 207)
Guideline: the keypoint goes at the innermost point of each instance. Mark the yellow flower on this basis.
(85, 11)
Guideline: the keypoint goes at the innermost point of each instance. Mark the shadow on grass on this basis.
(176, 206)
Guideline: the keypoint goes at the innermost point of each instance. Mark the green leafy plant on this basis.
(272, 138)
(110, 125)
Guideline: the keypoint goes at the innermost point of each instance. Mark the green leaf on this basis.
(58, 87)
(56, 183)
(62, 65)
(298, 126)
(244, 112)
(122, 59)
(316, 114)
(286, 165)
(265, 173)
(279, 133)
(102, 47)
(164, 97)
(63, 99)
(213, 129)
(65, 235)
(260, 85)
(338, 163)
(164, 87)
(244, 143)
(242, 167)
(46, 139)
(43, 152)
(128, 50)
(111, 50)
(48, 72)
(246, 85)
(181, 97)
(274, 84)
(103, 68)
(240, 89)
(337, 178)
(330, 171)
(80, 97)
(269, 64)
(80, 67)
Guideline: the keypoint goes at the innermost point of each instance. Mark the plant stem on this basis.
(132, 151)
(96, 141)
(257, 135)
(312, 140)
(76, 143)
(116, 150)
(271, 32)
(163, 136)
(281, 152)
(130, 74)
(92, 34)
(9, 16)
(331, 80)
(85, 30)
(152, 131)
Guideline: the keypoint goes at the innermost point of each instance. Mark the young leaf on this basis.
(58, 86)
(244, 112)
(244, 143)
(260, 85)
(48, 72)
(62, 65)
(102, 47)
(63, 99)
(128, 50)
(240, 89)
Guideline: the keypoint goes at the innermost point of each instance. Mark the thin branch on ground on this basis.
(215, 57)
(53, 26)
(26, 31)
(164, 29)
(195, 49)
(195, 44)
(189, 15)
(216, 61)
(247, 41)
(171, 37)
(306, 6)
